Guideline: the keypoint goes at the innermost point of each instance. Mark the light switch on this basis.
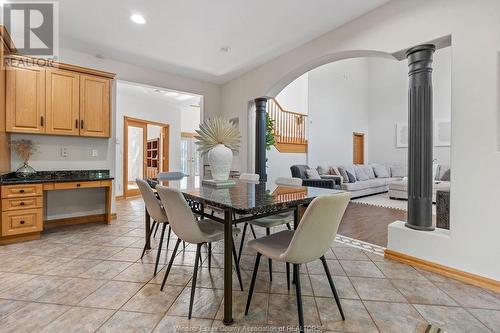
(64, 152)
(93, 152)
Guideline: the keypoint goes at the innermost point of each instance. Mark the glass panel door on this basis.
(190, 163)
(135, 156)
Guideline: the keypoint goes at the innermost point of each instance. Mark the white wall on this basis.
(190, 120)
(472, 244)
(295, 96)
(141, 102)
(388, 104)
(338, 106)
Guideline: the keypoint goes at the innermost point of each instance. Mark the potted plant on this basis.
(24, 149)
(218, 139)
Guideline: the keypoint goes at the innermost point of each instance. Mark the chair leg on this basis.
(268, 232)
(242, 241)
(237, 266)
(156, 230)
(149, 237)
(209, 256)
(252, 284)
(159, 248)
(289, 226)
(172, 257)
(299, 297)
(168, 235)
(288, 276)
(332, 286)
(199, 257)
(195, 275)
(253, 231)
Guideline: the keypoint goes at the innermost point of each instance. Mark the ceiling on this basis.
(186, 36)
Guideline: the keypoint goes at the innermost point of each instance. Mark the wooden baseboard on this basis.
(453, 273)
(120, 197)
(19, 238)
(75, 220)
(113, 216)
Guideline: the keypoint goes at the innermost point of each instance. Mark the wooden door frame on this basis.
(165, 131)
(354, 135)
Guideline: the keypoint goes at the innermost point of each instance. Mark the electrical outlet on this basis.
(93, 152)
(64, 152)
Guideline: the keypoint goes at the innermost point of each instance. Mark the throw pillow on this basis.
(322, 170)
(312, 174)
(343, 174)
(360, 173)
(369, 171)
(334, 171)
(446, 176)
(381, 171)
(398, 171)
(351, 177)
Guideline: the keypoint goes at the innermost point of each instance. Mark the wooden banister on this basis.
(289, 127)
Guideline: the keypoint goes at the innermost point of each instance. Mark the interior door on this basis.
(190, 163)
(134, 153)
(358, 148)
(62, 102)
(94, 106)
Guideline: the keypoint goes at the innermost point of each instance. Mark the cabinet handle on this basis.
(22, 203)
(81, 124)
(21, 191)
(41, 120)
(21, 222)
(78, 185)
(76, 123)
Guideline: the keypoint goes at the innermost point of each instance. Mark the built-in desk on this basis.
(22, 201)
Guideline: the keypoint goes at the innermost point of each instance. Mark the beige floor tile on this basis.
(179, 275)
(74, 267)
(7, 307)
(490, 318)
(183, 324)
(373, 289)
(100, 252)
(9, 280)
(452, 319)
(106, 270)
(79, 320)
(150, 299)
(470, 296)
(127, 254)
(279, 285)
(350, 253)
(205, 305)
(394, 317)
(72, 291)
(133, 322)
(422, 292)
(32, 317)
(257, 315)
(112, 295)
(361, 268)
(33, 288)
(322, 288)
(282, 311)
(357, 318)
(137, 272)
(316, 267)
(394, 270)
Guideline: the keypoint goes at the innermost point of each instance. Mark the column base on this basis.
(420, 228)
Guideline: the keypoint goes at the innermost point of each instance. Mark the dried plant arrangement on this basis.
(217, 131)
(24, 149)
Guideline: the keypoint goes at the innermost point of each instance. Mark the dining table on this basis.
(241, 202)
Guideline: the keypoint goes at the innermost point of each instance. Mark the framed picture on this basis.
(401, 135)
(442, 132)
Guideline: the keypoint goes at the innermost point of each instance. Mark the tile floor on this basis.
(90, 278)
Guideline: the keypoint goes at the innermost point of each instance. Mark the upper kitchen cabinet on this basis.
(57, 100)
(94, 106)
(25, 99)
(62, 102)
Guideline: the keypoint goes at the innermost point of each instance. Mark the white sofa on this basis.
(377, 182)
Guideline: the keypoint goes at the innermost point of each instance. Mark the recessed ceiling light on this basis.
(157, 91)
(225, 49)
(138, 18)
(171, 94)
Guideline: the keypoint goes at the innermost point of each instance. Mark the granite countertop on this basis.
(56, 177)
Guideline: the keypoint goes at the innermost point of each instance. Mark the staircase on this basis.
(289, 128)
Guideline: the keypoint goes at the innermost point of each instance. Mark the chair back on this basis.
(153, 205)
(317, 229)
(289, 181)
(170, 175)
(180, 216)
(299, 171)
(253, 177)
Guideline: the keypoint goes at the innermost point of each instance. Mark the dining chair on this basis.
(273, 221)
(187, 229)
(157, 213)
(253, 177)
(308, 242)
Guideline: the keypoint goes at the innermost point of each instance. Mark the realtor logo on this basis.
(33, 27)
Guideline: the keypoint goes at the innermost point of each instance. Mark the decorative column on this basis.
(260, 137)
(420, 137)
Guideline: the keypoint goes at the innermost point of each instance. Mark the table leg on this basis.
(228, 267)
(147, 229)
(296, 218)
(109, 194)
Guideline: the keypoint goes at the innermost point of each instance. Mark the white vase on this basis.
(220, 159)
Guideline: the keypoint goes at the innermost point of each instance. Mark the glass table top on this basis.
(254, 197)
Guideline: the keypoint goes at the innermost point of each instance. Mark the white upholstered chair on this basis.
(187, 229)
(157, 213)
(307, 243)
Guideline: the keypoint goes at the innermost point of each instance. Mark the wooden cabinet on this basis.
(94, 106)
(62, 102)
(25, 100)
(22, 211)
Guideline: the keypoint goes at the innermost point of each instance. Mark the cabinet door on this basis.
(25, 100)
(94, 106)
(62, 102)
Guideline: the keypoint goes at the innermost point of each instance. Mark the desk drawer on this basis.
(72, 185)
(18, 191)
(21, 221)
(22, 203)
